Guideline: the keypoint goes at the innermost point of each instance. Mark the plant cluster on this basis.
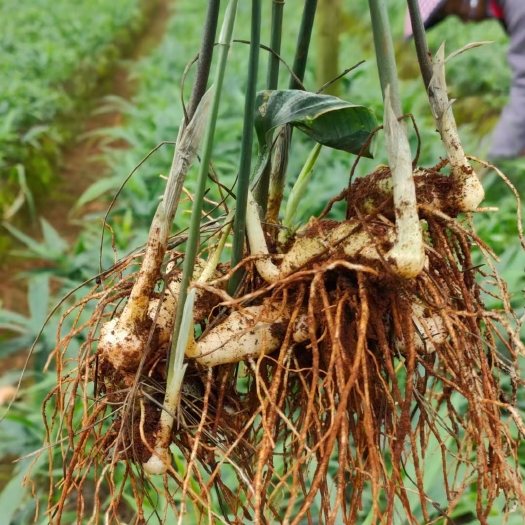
(360, 338)
(234, 420)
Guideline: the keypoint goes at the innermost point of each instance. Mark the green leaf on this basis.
(52, 237)
(326, 119)
(8, 124)
(33, 245)
(12, 496)
(38, 297)
(7, 318)
(22, 180)
(11, 377)
(97, 189)
(25, 422)
(13, 328)
(33, 133)
(16, 344)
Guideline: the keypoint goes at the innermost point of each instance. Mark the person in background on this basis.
(508, 140)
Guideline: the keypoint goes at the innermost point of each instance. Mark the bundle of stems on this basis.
(337, 329)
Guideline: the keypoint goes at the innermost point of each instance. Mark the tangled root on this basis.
(399, 398)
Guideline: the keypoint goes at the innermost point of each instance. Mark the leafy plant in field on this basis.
(153, 118)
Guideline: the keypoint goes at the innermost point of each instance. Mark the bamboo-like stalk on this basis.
(243, 184)
(224, 45)
(198, 91)
(471, 192)
(386, 62)
(276, 169)
(123, 339)
(161, 224)
(205, 55)
(420, 41)
(158, 463)
(186, 150)
(328, 31)
(303, 42)
(275, 44)
(407, 254)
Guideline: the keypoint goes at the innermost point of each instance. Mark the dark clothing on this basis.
(508, 139)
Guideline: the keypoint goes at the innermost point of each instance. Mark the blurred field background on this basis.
(89, 88)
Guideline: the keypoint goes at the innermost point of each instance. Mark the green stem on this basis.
(386, 62)
(224, 44)
(278, 174)
(274, 173)
(275, 43)
(328, 30)
(205, 55)
(243, 185)
(215, 256)
(303, 42)
(261, 189)
(299, 67)
(420, 41)
(298, 191)
(300, 186)
(407, 255)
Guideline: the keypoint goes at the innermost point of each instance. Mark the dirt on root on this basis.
(380, 350)
(369, 194)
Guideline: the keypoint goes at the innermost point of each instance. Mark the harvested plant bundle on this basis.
(347, 353)
(344, 360)
(361, 365)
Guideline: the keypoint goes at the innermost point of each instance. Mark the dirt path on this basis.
(80, 165)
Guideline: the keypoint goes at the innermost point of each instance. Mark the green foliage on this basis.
(326, 119)
(28, 328)
(52, 55)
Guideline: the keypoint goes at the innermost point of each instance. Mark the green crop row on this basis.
(52, 55)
